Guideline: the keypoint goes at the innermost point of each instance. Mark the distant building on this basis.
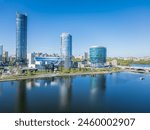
(97, 56)
(12, 59)
(85, 55)
(5, 56)
(38, 54)
(1, 53)
(66, 49)
(79, 57)
(114, 63)
(21, 38)
(42, 62)
(31, 60)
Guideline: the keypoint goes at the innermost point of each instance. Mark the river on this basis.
(116, 92)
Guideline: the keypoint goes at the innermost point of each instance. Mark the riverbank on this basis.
(49, 75)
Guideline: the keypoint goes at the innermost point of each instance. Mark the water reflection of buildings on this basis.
(65, 93)
(33, 83)
(64, 87)
(98, 88)
(23, 86)
(21, 96)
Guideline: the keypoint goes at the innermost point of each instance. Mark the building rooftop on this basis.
(20, 13)
(97, 47)
(65, 34)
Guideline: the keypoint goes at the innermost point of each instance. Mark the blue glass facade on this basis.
(21, 38)
(66, 49)
(97, 56)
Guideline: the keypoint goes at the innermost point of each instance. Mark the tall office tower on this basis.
(98, 56)
(21, 38)
(1, 53)
(66, 49)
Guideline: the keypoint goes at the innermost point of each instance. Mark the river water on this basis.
(116, 92)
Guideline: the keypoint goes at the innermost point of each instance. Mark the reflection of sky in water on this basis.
(117, 92)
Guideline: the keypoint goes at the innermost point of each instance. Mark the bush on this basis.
(66, 70)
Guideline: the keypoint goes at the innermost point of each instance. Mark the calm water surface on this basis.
(117, 92)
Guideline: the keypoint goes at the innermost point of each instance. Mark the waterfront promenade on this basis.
(59, 74)
(49, 75)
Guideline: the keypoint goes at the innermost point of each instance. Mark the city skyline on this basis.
(120, 26)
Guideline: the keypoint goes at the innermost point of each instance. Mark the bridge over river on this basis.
(136, 69)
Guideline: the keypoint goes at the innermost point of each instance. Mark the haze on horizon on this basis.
(122, 26)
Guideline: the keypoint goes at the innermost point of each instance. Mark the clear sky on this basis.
(123, 26)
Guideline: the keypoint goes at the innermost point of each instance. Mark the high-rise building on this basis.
(85, 55)
(97, 56)
(66, 49)
(1, 53)
(12, 59)
(5, 56)
(21, 38)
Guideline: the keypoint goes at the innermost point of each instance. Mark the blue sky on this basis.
(123, 26)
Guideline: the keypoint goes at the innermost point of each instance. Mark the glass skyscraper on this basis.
(1, 53)
(21, 38)
(66, 49)
(97, 56)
